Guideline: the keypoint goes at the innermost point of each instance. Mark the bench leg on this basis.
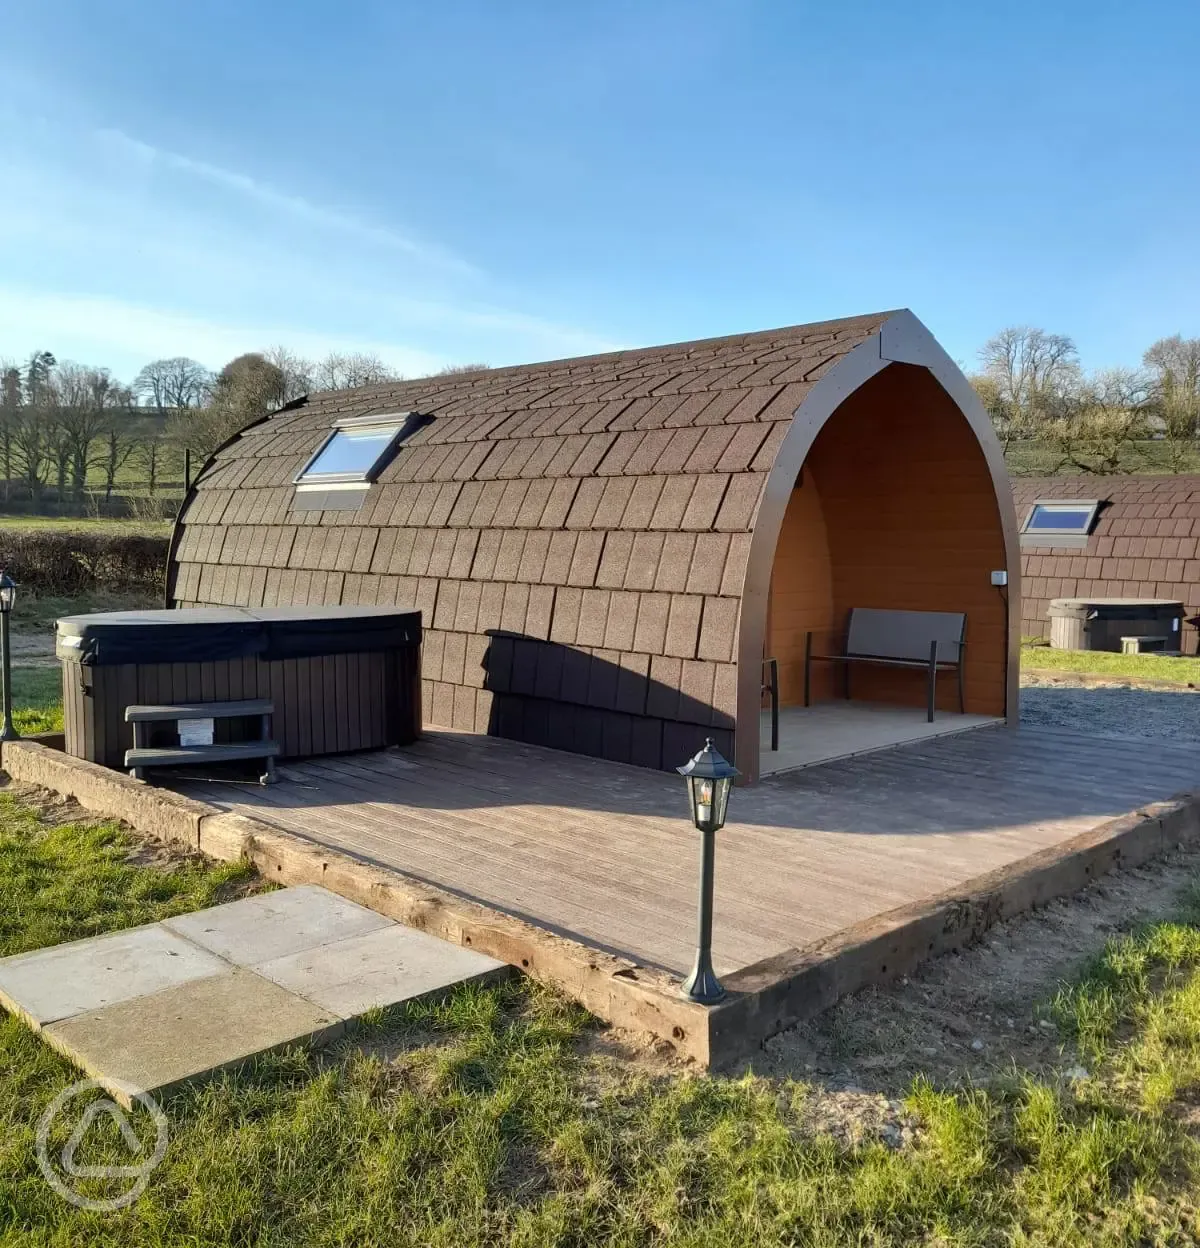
(808, 667)
(932, 678)
(962, 706)
(774, 704)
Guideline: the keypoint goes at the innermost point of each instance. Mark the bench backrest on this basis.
(905, 634)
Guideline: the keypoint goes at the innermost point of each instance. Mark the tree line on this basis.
(78, 429)
(1051, 416)
(75, 427)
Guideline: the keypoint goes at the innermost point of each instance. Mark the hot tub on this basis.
(1106, 623)
(340, 678)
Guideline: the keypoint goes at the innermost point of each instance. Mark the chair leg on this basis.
(962, 705)
(932, 678)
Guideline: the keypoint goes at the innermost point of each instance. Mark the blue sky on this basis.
(510, 180)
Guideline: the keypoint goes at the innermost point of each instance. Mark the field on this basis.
(1032, 459)
(84, 524)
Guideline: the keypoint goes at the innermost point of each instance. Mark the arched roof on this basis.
(674, 439)
(613, 504)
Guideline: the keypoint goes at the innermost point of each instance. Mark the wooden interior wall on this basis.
(801, 592)
(897, 490)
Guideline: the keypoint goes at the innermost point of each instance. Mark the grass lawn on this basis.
(485, 1121)
(1180, 671)
(37, 699)
(87, 524)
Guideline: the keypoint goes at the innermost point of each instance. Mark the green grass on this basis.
(36, 612)
(480, 1120)
(68, 881)
(37, 691)
(1178, 671)
(152, 528)
(37, 699)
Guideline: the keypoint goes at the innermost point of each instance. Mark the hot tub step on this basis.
(162, 756)
(139, 758)
(198, 710)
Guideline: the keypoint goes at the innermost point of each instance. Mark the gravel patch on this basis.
(1112, 710)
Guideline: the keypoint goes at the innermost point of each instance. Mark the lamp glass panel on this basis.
(722, 801)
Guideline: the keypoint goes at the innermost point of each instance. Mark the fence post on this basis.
(187, 468)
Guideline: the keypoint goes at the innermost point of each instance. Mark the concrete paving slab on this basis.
(155, 1043)
(387, 967)
(274, 925)
(63, 981)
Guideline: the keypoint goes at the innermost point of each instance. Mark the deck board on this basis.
(604, 853)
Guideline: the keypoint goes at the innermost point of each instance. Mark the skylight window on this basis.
(1061, 518)
(357, 451)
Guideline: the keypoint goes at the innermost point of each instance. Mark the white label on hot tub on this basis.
(195, 732)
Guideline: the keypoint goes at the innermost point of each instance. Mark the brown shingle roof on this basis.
(605, 502)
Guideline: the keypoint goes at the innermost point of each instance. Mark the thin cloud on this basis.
(295, 206)
(94, 327)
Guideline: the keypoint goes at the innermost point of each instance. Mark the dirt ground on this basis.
(972, 1018)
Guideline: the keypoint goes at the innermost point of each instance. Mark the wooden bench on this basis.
(928, 640)
(143, 755)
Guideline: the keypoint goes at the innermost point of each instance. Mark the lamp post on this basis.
(709, 777)
(8, 596)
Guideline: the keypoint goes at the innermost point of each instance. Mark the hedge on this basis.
(69, 562)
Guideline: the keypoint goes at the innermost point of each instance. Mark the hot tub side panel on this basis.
(327, 704)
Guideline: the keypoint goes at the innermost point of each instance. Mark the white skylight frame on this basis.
(1087, 506)
(399, 425)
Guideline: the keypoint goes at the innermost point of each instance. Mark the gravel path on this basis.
(1113, 710)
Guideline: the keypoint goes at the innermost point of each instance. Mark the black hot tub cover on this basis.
(196, 634)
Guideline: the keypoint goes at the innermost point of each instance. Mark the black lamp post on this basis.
(709, 777)
(8, 596)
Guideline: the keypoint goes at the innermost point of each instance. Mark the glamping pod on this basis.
(617, 554)
(1092, 538)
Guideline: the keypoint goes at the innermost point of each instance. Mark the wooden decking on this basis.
(604, 852)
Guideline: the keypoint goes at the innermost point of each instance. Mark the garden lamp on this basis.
(708, 777)
(8, 597)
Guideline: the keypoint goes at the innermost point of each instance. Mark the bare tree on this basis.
(246, 389)
(1175, 395)
(451, 369)
(173, 385)
(10, 407)
(88, 401)
(297, 373)
(1028, 378)
(148, 455)
(344, 372)
(119, 439)
(1102, 424)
